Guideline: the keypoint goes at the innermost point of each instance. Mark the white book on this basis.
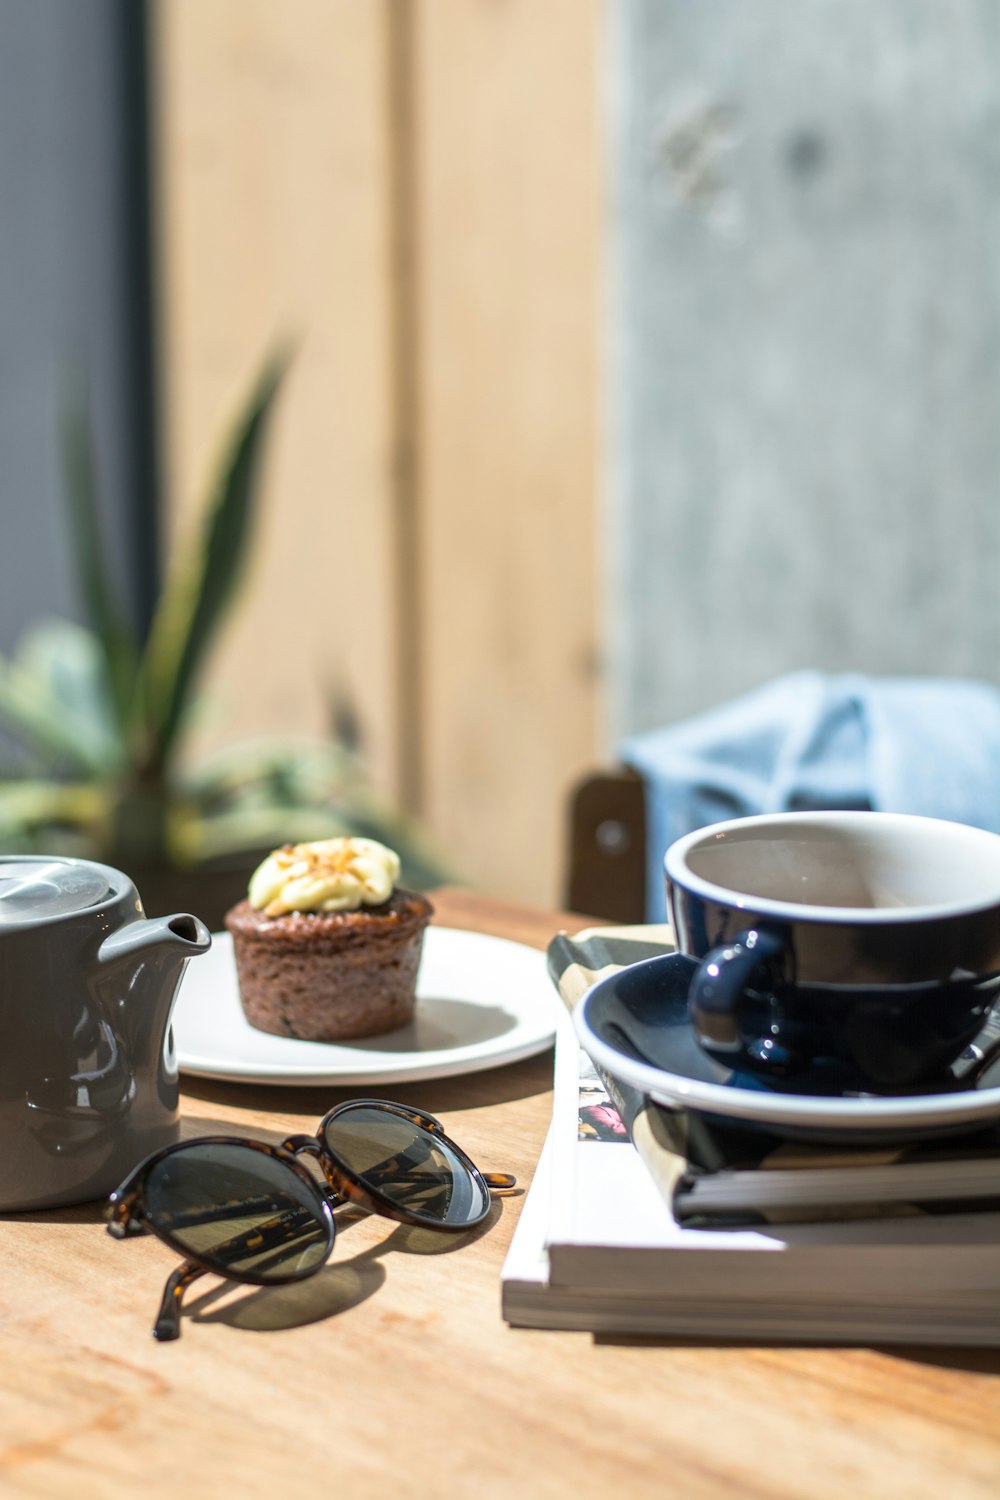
(597, 1248)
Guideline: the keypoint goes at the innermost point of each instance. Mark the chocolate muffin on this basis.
(327, 948)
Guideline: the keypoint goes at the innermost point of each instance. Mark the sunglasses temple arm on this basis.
(499, 1182)
(168, 1319)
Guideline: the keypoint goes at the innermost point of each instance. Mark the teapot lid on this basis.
(33, 889)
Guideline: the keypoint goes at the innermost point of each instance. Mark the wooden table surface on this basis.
(392, 1374)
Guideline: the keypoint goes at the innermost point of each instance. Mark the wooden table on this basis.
(391, 1373)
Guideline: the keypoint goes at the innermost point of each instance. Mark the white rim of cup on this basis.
(677, 869)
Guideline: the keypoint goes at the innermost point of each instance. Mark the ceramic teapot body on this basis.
(88, 1075)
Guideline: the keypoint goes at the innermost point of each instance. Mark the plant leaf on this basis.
(99, 598)
(54, 701)
(199, 588)
(65, 660)
(36, 815)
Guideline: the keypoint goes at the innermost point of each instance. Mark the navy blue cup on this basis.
(871, 939)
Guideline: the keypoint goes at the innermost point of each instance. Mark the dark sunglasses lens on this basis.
(239, 1210)
(407, 1164)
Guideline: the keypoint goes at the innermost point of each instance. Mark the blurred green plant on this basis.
(93, 720)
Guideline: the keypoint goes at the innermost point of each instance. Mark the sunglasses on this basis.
(252, 1212)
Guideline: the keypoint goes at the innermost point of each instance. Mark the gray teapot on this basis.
(88, 1073)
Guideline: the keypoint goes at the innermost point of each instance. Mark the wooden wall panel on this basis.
(414, 185)
(274, 173)
(508, 271)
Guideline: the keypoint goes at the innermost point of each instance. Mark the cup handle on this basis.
(718, 985)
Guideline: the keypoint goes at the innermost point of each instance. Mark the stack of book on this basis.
(643, 1219)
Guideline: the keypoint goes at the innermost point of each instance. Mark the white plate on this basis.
(481, 1001)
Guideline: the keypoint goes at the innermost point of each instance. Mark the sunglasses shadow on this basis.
(339, 1286)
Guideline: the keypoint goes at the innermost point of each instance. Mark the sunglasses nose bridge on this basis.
(338, 1186)
(300, 1145)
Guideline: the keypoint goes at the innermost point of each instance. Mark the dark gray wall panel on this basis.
(63, 268)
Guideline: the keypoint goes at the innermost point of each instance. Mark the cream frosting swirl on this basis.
(339, 874)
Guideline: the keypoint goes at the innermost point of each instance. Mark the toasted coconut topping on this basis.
(340, 874)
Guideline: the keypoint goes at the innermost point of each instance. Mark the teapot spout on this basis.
(140, 967)
(172, 939)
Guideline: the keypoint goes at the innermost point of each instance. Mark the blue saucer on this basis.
(635, 1025)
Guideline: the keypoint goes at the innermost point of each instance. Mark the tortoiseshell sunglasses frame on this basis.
(126, 1211)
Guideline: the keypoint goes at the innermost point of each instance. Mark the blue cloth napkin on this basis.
(810, 740)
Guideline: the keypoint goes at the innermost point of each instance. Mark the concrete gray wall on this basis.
(805, 337)
(64, 276)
